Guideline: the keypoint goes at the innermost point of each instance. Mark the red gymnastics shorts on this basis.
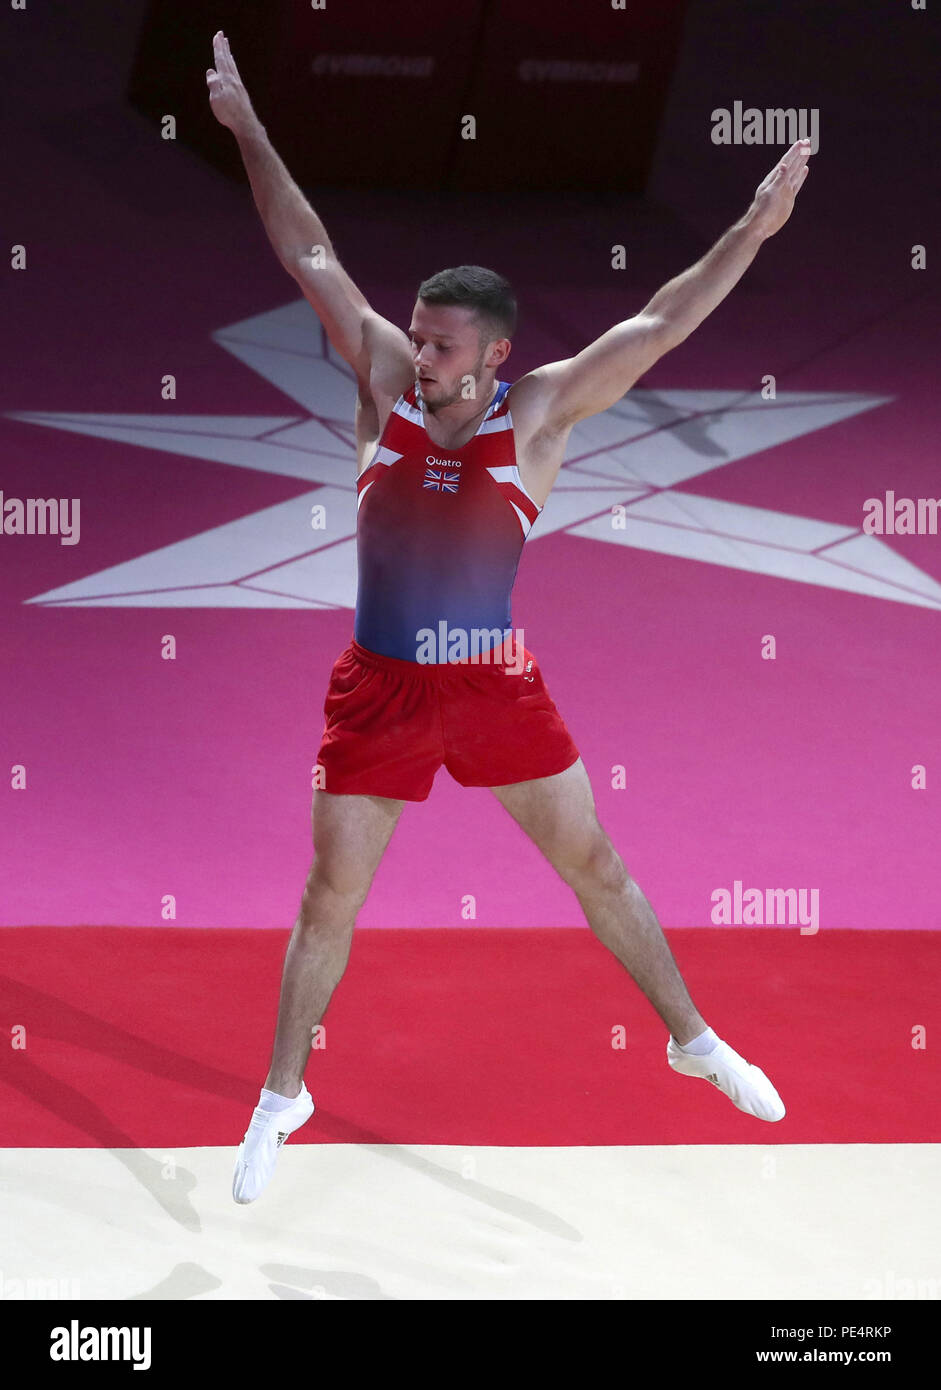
(390, 724)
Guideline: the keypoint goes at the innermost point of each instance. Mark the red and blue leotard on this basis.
(439, 531)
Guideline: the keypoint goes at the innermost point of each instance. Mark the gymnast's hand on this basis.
(227, 95)
(774, 197)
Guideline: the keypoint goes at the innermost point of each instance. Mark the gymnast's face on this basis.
(447, 352)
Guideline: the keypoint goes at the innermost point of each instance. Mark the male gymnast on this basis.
(454, 467)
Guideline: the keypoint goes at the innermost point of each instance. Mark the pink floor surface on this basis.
(190, 778)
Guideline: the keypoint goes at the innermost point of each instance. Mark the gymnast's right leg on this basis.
(350, 836)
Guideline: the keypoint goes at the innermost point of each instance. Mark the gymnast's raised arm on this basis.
(363, 338)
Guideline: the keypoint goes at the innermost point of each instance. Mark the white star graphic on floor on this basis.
(631, 456)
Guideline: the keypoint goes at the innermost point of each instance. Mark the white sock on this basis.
(701, 1045)
(270, 1100)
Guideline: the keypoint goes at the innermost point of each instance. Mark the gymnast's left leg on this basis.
(558, 814)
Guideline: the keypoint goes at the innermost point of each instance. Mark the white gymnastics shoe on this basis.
(745, 1085)
(258, 1151)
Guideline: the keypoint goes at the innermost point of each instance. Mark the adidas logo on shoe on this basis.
(281, 1137)
(713, 1078)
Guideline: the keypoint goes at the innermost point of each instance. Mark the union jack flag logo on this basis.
(441, 480)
